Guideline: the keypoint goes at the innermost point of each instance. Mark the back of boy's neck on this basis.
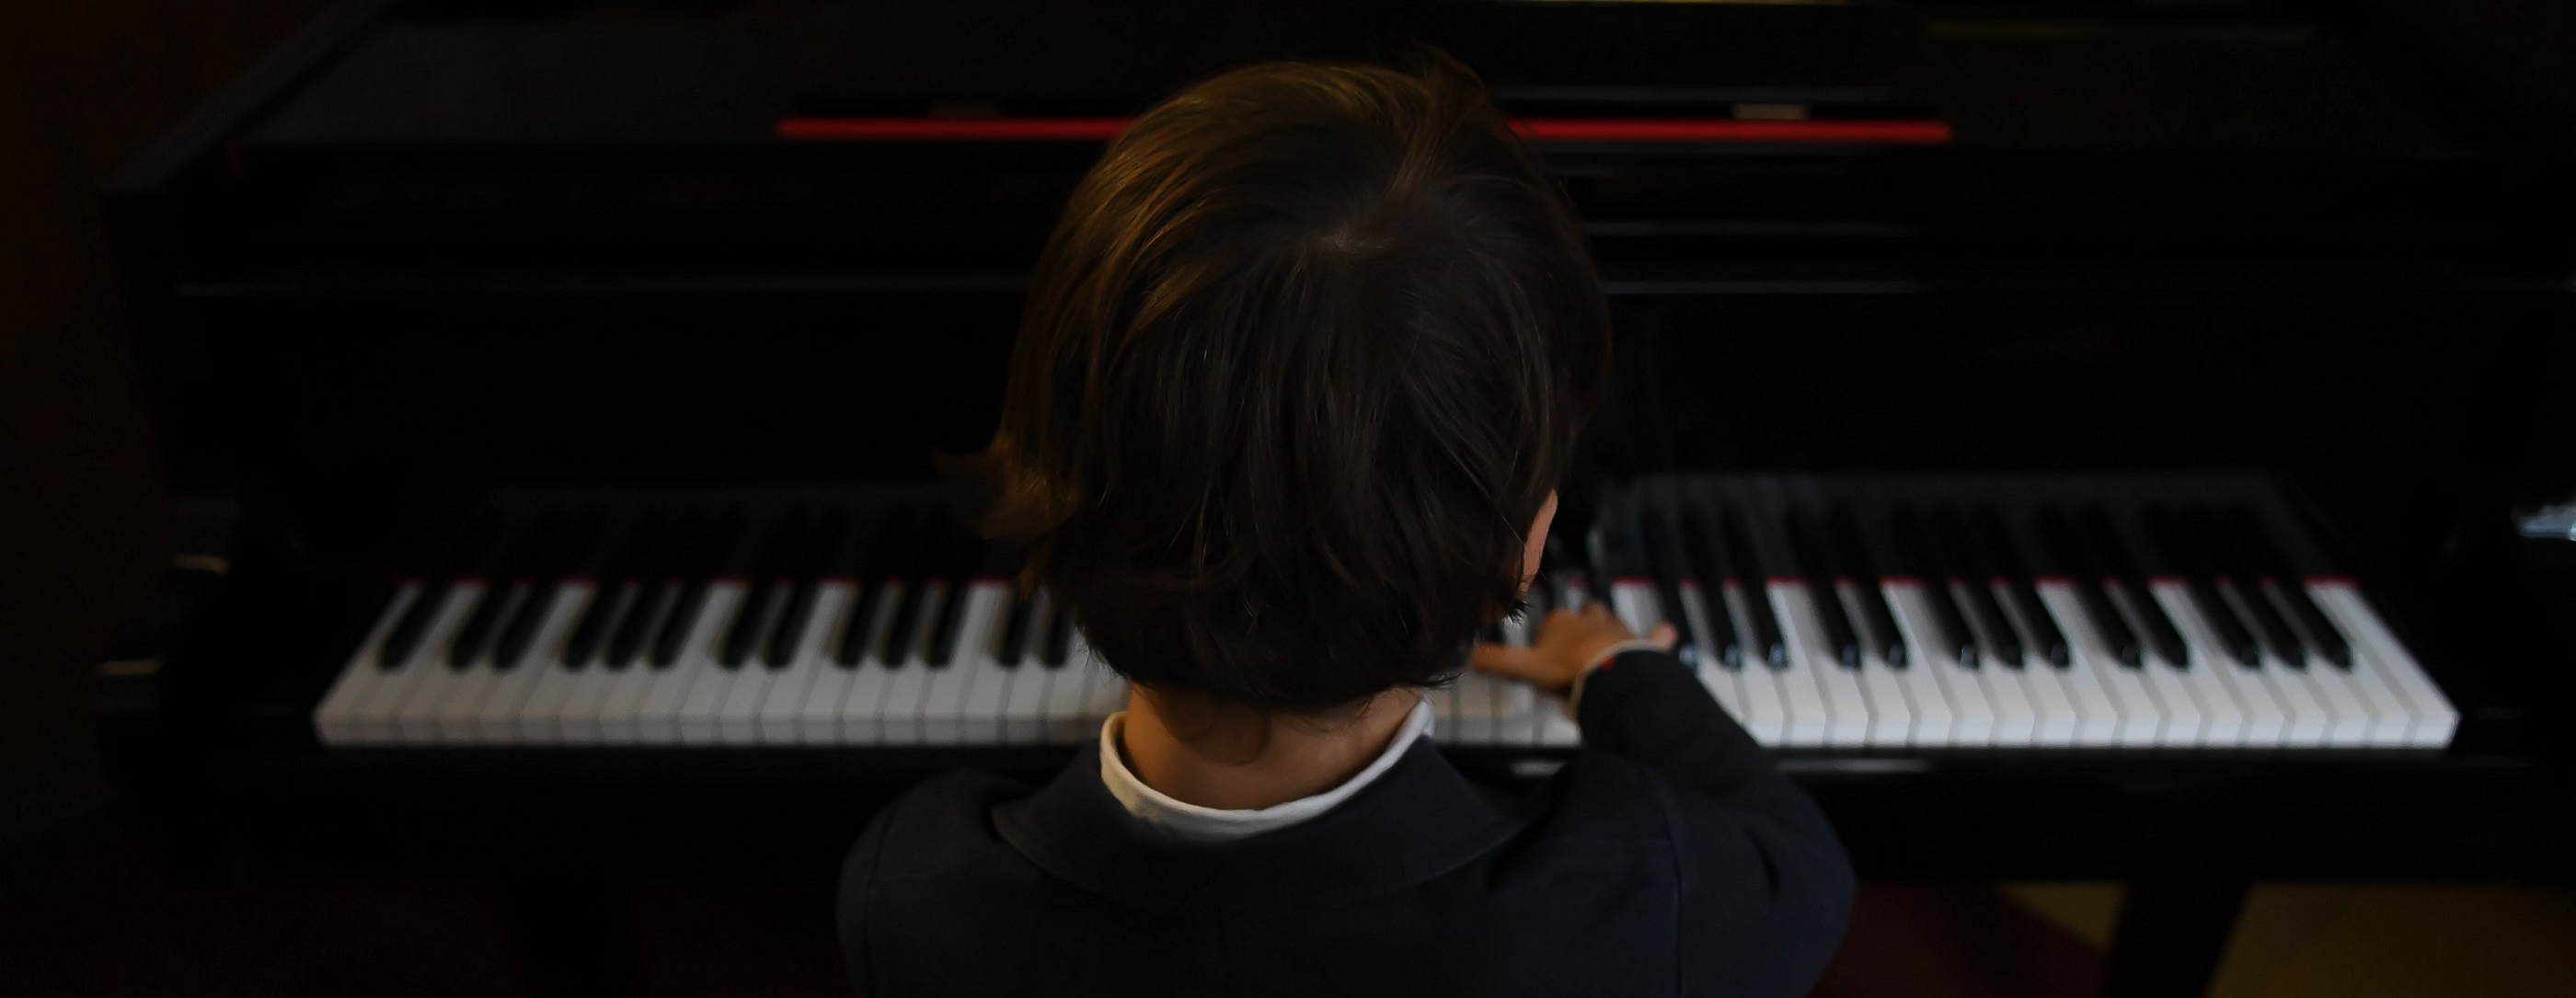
(1233, 758)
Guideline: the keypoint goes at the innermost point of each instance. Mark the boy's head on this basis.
(1300, 366)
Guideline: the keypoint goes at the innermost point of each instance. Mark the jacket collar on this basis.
(1417, 821)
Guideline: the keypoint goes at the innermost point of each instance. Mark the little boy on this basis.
(1300, 371)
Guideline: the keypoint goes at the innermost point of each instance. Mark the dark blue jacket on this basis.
(1668, 857)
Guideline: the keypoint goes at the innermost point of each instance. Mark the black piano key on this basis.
(2161, 635)
(769, 581)
(1985, 615)
(406, 633)
(656, 590)
(1015, 629)
(886, 559)
(2059, 536)
(1807, 544)
(2200, 580)
(616, 589)
(922, 586)
(1995, 546)
(521, 629)
(481, 621)
(1059, 637)
(462, 554)
(1914, 545)
(1853, 550)
(2277, 581)
(1656, 543)
(822, 546)
(510, 576)
(968, 554)
(711, 556)
(590, 633)
(565, 555)
(642, 616)
(2239, 580)
(1753, 579)
(1702, 567)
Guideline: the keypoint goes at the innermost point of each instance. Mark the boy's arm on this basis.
(1765, 886)
(1766, 889)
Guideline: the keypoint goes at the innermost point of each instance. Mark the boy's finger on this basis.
(1504, 660)
(1664, 636)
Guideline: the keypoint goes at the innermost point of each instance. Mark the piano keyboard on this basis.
(1909, 618)
(1820, 621)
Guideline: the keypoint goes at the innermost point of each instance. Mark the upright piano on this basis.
(2086, 441)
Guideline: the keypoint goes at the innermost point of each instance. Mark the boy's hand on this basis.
(1568, 643)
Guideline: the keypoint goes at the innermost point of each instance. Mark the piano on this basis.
(2084, 442)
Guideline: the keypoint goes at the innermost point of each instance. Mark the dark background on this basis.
(83, 85)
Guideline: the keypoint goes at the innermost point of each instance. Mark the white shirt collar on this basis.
(1208, 824)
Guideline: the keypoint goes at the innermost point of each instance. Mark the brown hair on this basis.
(1301, 363)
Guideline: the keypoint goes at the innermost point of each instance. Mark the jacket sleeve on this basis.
(858, 882)
(1766, 889)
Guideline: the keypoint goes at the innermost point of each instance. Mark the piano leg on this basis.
(2170, 939)
(574, 936)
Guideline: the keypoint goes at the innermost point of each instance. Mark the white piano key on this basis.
(1891, 718)
(1765, 712)
(2053, 702)
(496, 722)
(2138, 720)
(339, 718)
(1519, 714)
(2141, 721)
(1023, 708)
(798, 708)
(539, 718)
(2348, 716)
(2431, 718)
(1824, 699)
(1556, 726)
(863, 702)
(907, 686)
(1444, 711)
(1633, 601)
(2183, 704)
(1920, 683)
(1479, 708)
(454, 718)
(746, 687)
(1516, 715)
(619, 718)
(1066, 694)
(2227, 721)
(579, 716)
(963, 704)
(2306, 719)
(416, 689)
(1068, 691)
(681, 709)
(2089, 717)
(2016, 720)
(2266, 723)
(2390, 715)
(1723, 682)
